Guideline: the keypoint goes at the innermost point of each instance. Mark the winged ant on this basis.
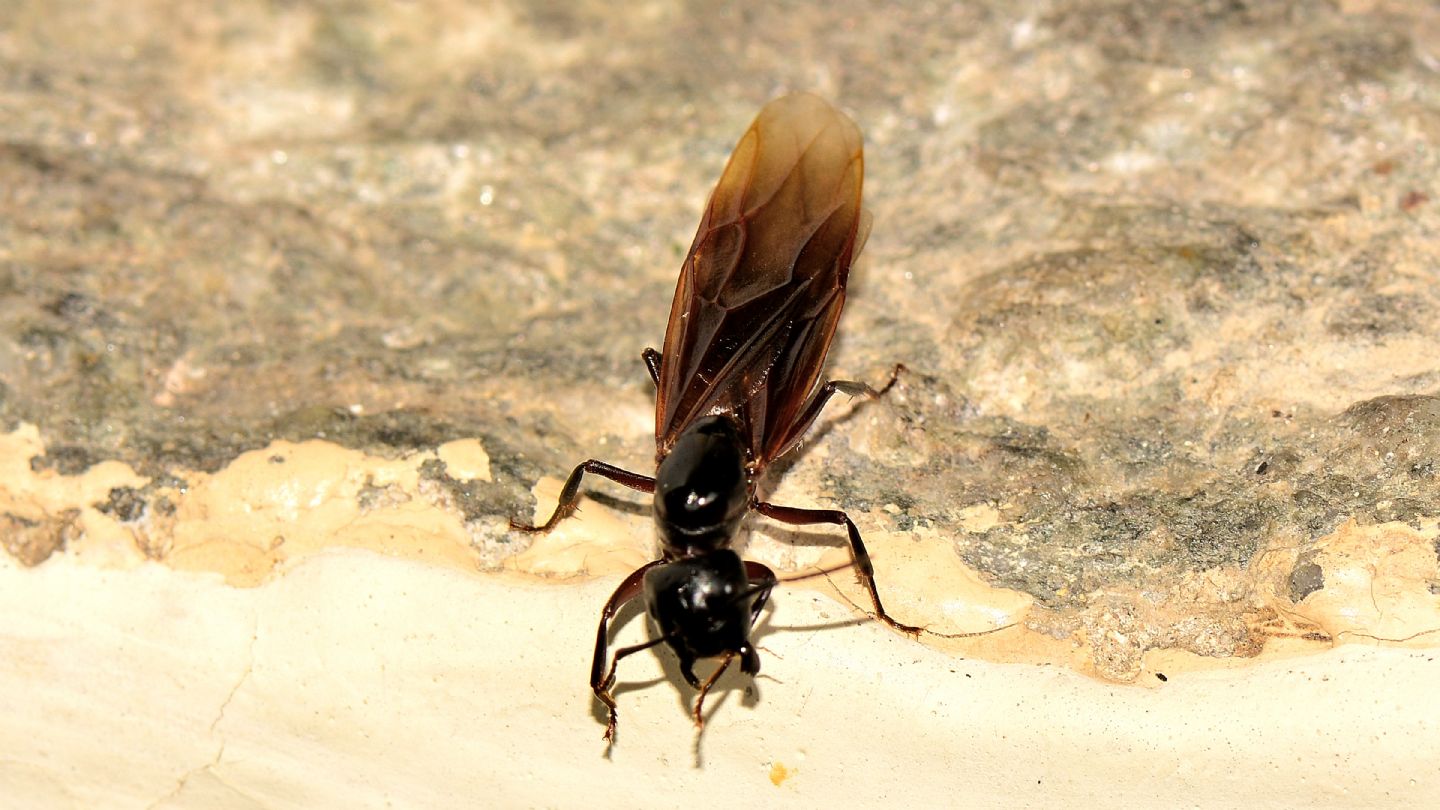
(737, 381)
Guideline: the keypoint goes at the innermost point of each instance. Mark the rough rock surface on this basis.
(1167, 276)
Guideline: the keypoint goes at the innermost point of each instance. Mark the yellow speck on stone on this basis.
(465, 459)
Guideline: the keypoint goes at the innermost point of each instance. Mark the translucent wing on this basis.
(761, 291)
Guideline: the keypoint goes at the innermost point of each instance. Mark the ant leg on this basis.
(687, 670)
(854, 388)
(705, 689)
(600, 680)
(894, 378)
(851, 388)
(761, 573)
(652, 362)
(796, 516)
(625, 652)
(570, 493)
(603, 692)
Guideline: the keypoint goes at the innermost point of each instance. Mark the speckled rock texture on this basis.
(1167, 276)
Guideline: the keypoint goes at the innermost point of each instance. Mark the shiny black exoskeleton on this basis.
(703, 607)
(699, 595)
(702, 489)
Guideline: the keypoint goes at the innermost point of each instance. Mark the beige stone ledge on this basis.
(353, 679)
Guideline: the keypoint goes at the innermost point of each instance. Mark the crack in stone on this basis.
(184, 778)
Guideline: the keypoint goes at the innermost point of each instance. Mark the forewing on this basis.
(761, 291)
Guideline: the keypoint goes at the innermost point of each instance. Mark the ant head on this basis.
(702, 606)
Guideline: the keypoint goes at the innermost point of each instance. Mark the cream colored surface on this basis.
(289, 499)
(309, 628)
(357, 680)
(1377, 583)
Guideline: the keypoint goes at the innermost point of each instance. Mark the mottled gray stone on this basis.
(1166, 274)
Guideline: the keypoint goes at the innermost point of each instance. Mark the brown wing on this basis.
(761, 291)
